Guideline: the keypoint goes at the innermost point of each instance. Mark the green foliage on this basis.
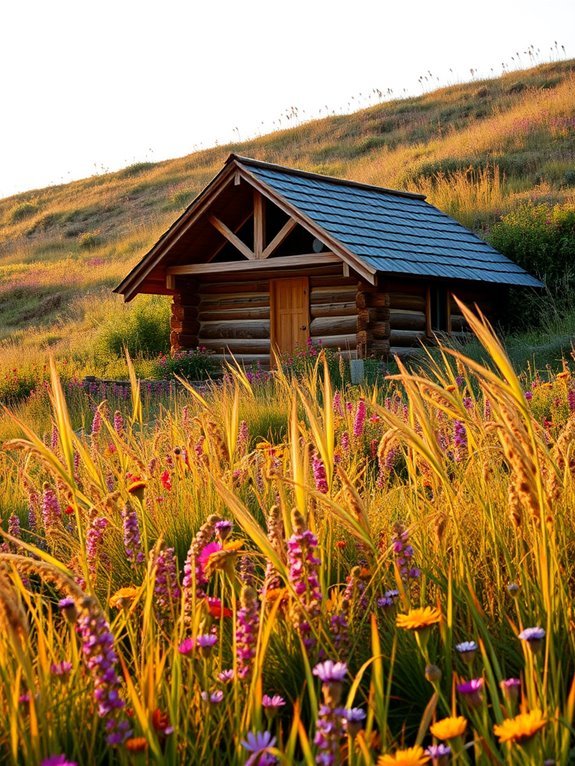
(22, 211)
(89, 240)
(192, 364)
(142, 328)
(541, 238)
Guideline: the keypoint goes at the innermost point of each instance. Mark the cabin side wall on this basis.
(395, 318)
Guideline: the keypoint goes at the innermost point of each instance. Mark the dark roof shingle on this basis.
(392, 232)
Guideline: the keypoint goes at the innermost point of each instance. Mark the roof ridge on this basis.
(308, 174)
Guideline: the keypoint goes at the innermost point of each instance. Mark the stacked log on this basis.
(333, 312)
(184, 322)
(373, 321)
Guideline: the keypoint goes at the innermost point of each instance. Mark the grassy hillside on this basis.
(477, 149)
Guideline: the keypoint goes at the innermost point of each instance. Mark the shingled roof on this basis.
(375, 230)
(391, 232)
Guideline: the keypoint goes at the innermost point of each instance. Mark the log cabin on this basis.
(267, 257)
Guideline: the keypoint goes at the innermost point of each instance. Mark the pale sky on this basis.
(90, 86)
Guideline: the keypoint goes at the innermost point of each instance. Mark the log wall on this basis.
(230, 313)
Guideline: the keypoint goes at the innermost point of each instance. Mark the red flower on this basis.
(161, 723)
(166, 480)
(69, 510)
(216, 609)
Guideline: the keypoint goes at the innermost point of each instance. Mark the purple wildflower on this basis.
(328, 733)
(247, 627)
(439, 754)
(466, 650)
(94, 542)
(403, 553)
(166, 588)
(195, 581)
(304, 577)
(359, 419)
(571, 399)
(273, 703)
(14, 526)
(459, 441)
(345, 443)
(118, 422)
(330, 672)
(33, 505)
(98, 649)
(51, 512)
(510, 688)
(226, 676)
(132, 541)
(337, 404)
(243, 437)
(223, 529)
(96, 423)
(61, 669)
(187, 646)
(257, 743)
(68, 608)
(471, 691)
(533, 637)
(353, 719)
(58, 760)
(319, 474)
(213, 697)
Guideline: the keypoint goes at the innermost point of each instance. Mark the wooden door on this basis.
(289, 314)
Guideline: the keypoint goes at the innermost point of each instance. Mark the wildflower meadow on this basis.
(283, 571)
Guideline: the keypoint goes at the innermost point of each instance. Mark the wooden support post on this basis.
(259, 225)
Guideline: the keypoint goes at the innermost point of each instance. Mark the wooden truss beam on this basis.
(288, 226)
(231, 237)
(285, 262)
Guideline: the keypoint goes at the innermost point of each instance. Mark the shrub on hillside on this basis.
(22, 211)
(143, 328)
(541, 238)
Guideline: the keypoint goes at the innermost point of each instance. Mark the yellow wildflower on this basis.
(521, 728)
(418, 619)
(449, 728)
(123, 598)
(412, 756)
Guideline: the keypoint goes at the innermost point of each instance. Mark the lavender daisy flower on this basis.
(533, 637)
(187, 646)
(257, 743)
(353, 719)
(439, 754)
(58, 760)
(466, 650)
(206, 643)
(226, 676)
(61, 669)
(330, 672)
(223, 529)
(272, 704)
(471, 691)
(510, 688)
(213, 698)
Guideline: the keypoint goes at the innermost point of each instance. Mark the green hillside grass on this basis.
(477, 150)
